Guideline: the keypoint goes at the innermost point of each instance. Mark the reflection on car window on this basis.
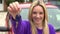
(50, 16)
(58, 17)
(24, 13)
(54, 17)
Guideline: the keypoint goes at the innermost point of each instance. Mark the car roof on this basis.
(27, 5)
(51, 6)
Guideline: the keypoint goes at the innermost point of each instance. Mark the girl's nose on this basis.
(38, 15)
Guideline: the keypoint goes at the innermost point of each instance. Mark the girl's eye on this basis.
(34, 12)
(41, 13)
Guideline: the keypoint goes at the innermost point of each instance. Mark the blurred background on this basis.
(5, 3)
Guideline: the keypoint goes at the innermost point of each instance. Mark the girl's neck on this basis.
(39, 26)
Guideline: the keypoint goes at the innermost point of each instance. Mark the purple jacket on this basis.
(25, 28)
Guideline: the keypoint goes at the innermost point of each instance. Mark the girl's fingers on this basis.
(17, 4)
(11, 6)
(15, 7)
(9, 9)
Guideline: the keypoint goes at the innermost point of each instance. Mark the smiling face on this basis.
(37, 14)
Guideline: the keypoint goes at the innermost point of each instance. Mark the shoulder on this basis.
(50, 26)
(51, 29)
(25, 23)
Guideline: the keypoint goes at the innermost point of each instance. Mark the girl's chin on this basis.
(37, 22)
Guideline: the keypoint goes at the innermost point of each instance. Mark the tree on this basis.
(58, 0)
(30, 0)
(21, 1)
(9, 1)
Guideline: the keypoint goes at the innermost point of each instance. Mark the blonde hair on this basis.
(45, 24)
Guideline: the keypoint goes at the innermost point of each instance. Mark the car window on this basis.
(54, 17)
(24, 13)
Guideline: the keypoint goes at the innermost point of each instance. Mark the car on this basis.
(53, 15)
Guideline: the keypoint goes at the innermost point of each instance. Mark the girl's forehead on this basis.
(38, 7)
